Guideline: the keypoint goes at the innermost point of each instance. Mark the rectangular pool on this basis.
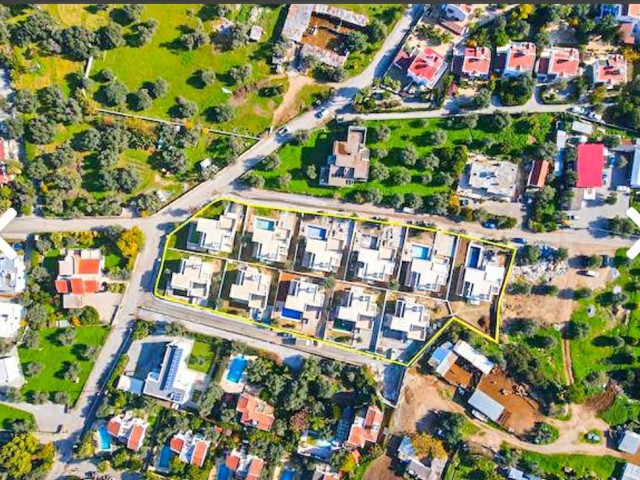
(288, 474)
(317, 233)
(104, 439)
(236, 369)
(265, 224)
(165, 458)
(223, 472)
(420, 251)
(292, 314)
(474, 257)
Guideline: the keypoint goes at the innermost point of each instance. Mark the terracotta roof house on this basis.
(365, 428)
(128, 429)
(244, 465)
(472, 62)
(79, 274)
(610, 71)
(255, 412)
(516, 58)
(538, 175)
(558, 64)
(191, 449)
(427, 68)
(349, 161)
(590, 165)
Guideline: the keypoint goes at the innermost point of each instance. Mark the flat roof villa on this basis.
(490, 179)
(429, 265)
(11, 315)
(216, 235)
(357, 307)
(190, 448)
(271, 237)
(376, 250)
(326, 241)
(173, 380)
(349, 160)
(409, 318)
(516, 58)
(304, 301)
(192, 280)
(251, 287)
(482, 276)
(12, 278)
(255, 412)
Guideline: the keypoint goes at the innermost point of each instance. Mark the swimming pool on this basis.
(419, 251)
(287, 474)
(292, 314)
(104, 439)
(474, 257)
(317, 233)
(236, 369)
(165, 458)
(265, 224)
(223, 472)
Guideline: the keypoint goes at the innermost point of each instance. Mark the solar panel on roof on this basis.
(172, 369)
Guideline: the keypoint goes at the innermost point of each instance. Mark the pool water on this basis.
(264, 224)
(223, 472)
(317, 233)
(419, 251)
(236, 369)
(287, 474)
(104, 439)
(474, 257)
(292, 314)
(165, 458)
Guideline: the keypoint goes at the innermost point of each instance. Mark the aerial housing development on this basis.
(320, 241)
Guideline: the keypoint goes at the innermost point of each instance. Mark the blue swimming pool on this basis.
(317, 233)
(104, 439)
(292, 314)
(287, 474)
(474, 257)
(265, 224)
(165, 458)
(419, 251)
(236, 369)
(223, 472)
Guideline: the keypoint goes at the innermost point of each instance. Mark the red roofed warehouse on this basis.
(255, 412)
(79, 274)
(610, 71)
(558, 64)
(472, 62)
(427, 68)
(365, 428)
(590, 165)
(516, 58)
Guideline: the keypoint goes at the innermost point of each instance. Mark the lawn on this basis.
(621, 412)
(54, 357)
(550, 358)
(296, 158)
(583, 465)
(8, 414)
(202, 356)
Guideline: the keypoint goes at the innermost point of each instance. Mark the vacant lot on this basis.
(55, 358)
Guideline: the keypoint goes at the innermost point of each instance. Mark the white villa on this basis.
(410, 318)
(429, 266)
(251, 287)
(327, 240)
(272, 237)
(359, 308)
(216, 235)
(304, 302)
(377, 253)
(482, 277)
(193, 280)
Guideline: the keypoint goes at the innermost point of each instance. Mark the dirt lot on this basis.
(521, 413)
(380, 469)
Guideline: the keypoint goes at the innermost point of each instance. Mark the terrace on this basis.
(271, 236)
(216, 235)
(375, 251)
(427, 265)
(325, 241)
(300, 304)
(250, 288)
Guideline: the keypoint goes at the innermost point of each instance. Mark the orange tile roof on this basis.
(62, 286)
(477, 61)
(113, 427)
(255, 469)
(563, 62)
(233, 462)
(426, 64)
(539, 173)
(521, 57)
(632, 10)
(88, 266)
(176, 444)
(369, 431)
(199, 453)
(136, 436)
(255, 412)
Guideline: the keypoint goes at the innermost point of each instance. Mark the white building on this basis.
(192, 280)
(251, 287)
(377, 253)
(12, 277)
(410, 318)
(327, 240)
(635, 170)
(272, 237)
(11, 370)
(216, 235)
(11, 314)
(429, 266)
(489, 179)
(304, 301)
(482, 277)
(359, 307)
(517, 58)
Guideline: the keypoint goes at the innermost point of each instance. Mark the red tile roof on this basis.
(477, 61)
(562, 62)
(113, 427)
(521, 57)
(2, 152)
(369, 431)
(77, 285)
(426, 64)
(62, 286)
(176, 444)
(612, 70)
(136, 436)
(255, 412)
(88, 266)
(632, 10)
(199, 453)
(627, 34)
(590, 165)
(233, 462)
(539, 173)
(255, 469)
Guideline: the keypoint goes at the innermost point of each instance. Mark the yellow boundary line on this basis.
(355, 218)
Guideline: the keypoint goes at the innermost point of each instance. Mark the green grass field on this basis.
(550, 358)
(296, 158)
(8, 414)
(54, 357)
(202, 356)
(582, 465)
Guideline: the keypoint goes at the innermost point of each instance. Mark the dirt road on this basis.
(566, 360)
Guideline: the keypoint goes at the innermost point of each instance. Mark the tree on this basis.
(253, 180)
(240, 73)
(25, 101)
(185, 108)
(159, 88)
(311, 173)
(300, 137)
(62, 398)
(66, 337)
(395, 200)
(408, 156)
(78, 42)
(31, 340)
(17, 455)
(208, 77)
(130, 13)
(413, 200)
(71, 371)
(13, 395)
(578, 330)
(194, 39)
(284, 181)
(401, 176)
(37, 316)
(33, 369)
(330, 73)
(13, 127)
(529, 255)
(238, 36)
(143, 32)
(451, 427)
(373, 195)
(356, 41)
(91, 352)
(377, 30)
(128, 179)
(271, 162)
(382, 133)
(130, 243)
(141, 100)
(115, 93)
(41, 130)
(499, 121)
(110, 36)
(426, 446)
(379, 172)
(38, 398)
(222, 113)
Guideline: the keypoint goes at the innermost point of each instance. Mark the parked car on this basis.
(574, 217)
(321, 113)
(282, 132)
(490, 225)
(520, 241)
(588, 273)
